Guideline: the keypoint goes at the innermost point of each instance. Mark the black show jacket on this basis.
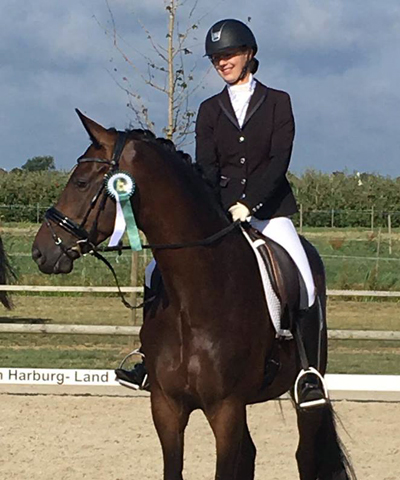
(248, 164)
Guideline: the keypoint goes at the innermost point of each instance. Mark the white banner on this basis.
(52, 376)
(363, 383)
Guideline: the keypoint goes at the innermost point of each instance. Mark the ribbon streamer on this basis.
(124, 217)
(119, 226)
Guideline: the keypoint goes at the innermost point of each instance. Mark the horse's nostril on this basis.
(37, 256)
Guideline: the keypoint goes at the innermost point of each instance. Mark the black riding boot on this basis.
(137, 377)
(310, 390)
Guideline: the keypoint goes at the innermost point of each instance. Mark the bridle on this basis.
(85, 239)
(84, 243)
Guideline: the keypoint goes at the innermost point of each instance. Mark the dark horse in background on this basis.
(207, 336)
(6, 274)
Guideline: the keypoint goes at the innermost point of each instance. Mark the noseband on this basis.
(84, 243)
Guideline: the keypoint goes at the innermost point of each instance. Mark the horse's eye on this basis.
(81, 184)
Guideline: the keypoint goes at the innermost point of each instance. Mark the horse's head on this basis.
(84, 215)
(170, 202)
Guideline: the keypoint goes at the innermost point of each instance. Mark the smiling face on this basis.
(230, 63)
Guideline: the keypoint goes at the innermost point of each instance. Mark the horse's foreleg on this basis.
(235, 449)
(170, 420)
(247, 457)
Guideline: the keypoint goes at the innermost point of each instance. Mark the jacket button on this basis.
(242, 160)
(243, 181)
(243, 196)
(241, 139)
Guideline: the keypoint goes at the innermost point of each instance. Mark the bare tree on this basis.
(169, 69)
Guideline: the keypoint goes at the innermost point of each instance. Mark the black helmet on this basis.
(227, 34)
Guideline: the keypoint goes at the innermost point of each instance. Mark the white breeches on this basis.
(282, 231)
(148, 272)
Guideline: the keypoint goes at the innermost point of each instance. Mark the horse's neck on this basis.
(181, 213)
(175, 207)
(180, 221)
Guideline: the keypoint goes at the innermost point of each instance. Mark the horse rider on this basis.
(244, 140)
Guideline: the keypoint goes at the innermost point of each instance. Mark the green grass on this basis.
(368, 271)
(66, 351)
(358, 259)
(89, 358)
(364, 357)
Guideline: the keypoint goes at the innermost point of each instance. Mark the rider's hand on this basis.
(239, 212)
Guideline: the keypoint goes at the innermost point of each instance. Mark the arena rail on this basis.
(134, 330)
(79, 289)
(123, 330)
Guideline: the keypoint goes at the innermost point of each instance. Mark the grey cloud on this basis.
(338, 60)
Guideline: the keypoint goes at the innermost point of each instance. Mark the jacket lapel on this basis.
(258, 97)
(226, 106)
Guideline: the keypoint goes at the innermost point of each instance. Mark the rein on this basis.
(175, 246)
(84, 238)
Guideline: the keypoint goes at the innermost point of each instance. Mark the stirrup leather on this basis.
(312, 403)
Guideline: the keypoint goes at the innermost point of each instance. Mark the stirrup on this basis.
(133, 352)
(311, 403)
(134, 386)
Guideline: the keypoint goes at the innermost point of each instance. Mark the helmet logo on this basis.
(216, 36)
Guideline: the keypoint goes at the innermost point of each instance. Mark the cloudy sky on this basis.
(338, 59)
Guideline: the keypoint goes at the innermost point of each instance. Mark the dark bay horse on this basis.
(6, 273)
(207, 336)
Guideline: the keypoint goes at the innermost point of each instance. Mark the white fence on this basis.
(134, 331)
(79, 289)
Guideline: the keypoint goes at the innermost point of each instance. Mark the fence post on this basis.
(301, 218)
(37, 212)
(390, 232)
(378, 251)
(372, 218)
(332, 218)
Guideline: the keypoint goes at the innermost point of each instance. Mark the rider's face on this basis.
(230, 64)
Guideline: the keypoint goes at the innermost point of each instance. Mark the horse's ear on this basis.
(97, 133)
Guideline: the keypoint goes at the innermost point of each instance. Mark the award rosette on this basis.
(121, 186)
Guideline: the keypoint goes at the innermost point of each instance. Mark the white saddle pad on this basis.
(273, 303)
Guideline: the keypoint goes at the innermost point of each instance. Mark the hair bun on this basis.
(253, 65)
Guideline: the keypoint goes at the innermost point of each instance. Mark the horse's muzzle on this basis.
(54, 264)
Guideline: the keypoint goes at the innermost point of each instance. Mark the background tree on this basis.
(169, 69)
(39, 164)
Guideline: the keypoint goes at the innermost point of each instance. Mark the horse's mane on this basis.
(168, 146)
(165, 143)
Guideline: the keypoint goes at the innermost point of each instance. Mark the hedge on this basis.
(344, 198)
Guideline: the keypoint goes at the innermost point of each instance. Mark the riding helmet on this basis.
(227, 34)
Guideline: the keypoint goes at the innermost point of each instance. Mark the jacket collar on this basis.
(226, 106)
(258, 97)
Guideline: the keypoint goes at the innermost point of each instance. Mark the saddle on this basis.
(285, 278)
